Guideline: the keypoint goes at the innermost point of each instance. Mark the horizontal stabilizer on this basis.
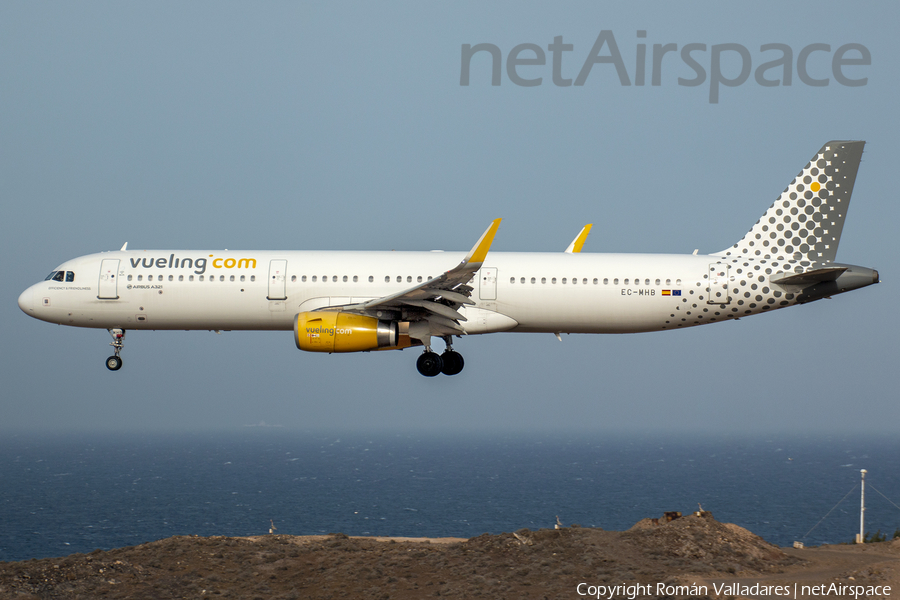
(809, 277)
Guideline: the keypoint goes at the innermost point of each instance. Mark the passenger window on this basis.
(231, 278)
(553, 280)
(543, 280)
(345, 279)
(605, 281)
(181, 278)
(221, 278)
(387, 278)
(647, 282)
(626, 281)
(149, 277)
(314, 278)
(355, 279)
(70, 276)
(200, 278)
(668, 282)
(253, 278)
(616, 281)
(563, 280)
(172, 278)
(334, 278)
(657, 282)
(533, 280)
(244, 278)
(190, 277)
(574, 280)
(371, 278)
(399, 279)
(140, 277)
(677, 282)
(409, 279)
(129, 278)
(293, 278)
(512, 279)
(522, 280)
(419, 279)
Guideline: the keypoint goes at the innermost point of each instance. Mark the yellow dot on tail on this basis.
(815, 186)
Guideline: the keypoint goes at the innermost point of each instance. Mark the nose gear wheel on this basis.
(114, 362)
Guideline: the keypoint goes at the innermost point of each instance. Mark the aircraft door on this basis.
(277, 279)
(718, 284)
(487, 289)
(109, 271)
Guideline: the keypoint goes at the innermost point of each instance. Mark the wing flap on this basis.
(437, 308)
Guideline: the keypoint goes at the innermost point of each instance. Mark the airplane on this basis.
(366, 301)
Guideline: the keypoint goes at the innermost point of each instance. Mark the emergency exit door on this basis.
(277, 279)
(487, 289)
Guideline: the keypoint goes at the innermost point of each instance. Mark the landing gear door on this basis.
(109, 271)
(277, 269)
(718, 284)
(487, 288)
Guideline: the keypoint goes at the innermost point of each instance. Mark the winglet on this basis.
(578, 242)
(124, 247)
(479, 252)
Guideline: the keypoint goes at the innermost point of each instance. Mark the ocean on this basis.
(77, 493)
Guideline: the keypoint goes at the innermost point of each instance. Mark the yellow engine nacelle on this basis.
(343, 332)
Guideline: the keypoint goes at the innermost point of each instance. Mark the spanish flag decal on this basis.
(671, 292)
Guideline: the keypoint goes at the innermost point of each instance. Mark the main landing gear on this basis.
(114, 362)
(431, 363)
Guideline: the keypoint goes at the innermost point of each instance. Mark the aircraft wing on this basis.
(432, 306)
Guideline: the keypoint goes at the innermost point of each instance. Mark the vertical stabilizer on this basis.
(806, 221)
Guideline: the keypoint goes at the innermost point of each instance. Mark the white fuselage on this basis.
(525, 292)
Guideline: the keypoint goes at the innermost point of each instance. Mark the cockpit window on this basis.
(68, 276)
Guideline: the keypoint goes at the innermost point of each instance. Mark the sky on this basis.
(344, 126)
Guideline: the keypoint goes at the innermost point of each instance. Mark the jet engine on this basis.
(343, 332)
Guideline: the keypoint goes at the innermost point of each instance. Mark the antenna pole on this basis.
(862, 509)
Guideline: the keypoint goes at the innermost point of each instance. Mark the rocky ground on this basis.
(549, 563)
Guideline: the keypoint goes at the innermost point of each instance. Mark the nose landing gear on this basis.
(114, 362)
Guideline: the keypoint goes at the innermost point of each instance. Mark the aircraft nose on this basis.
(26, 301)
